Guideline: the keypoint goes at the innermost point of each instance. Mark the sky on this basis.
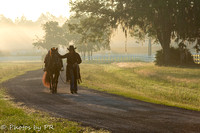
(32, 9)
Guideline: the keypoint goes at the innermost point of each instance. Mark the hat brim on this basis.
(71, 48)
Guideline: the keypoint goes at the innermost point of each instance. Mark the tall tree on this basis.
(160, 19)
(53, 36)
(93, 35)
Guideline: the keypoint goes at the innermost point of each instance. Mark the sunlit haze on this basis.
(32, 9)
(18, 36)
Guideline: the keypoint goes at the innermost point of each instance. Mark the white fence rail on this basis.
(120, 58)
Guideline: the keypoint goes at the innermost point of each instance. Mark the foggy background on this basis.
(21, 21)
(16, 37)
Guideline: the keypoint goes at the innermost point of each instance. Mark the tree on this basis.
(162, 20)
(23, 21)
(4, 20)
(53, 36)
(47, 17)
(82, 32)
(92, 35)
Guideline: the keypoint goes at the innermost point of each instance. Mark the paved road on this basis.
(101, 110)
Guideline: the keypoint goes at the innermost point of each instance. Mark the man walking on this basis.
(72, 69)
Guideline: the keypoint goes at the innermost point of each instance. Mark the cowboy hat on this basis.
(71, 47)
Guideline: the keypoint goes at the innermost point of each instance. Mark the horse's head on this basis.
(55, 60)
(53, 51)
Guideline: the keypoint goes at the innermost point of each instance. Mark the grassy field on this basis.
(13, 69)
(17, 119)
(171, 86)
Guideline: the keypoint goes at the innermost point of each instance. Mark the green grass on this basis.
(171, 86)
(13, 69)
(18, 119)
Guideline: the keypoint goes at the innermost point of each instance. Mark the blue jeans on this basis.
(73, 81)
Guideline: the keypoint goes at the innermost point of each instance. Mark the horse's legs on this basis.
(56, 80)
(51, 82)
(53, 78)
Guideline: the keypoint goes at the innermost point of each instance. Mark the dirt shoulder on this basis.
(101, 110)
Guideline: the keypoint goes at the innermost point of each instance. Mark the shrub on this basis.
(175, 57)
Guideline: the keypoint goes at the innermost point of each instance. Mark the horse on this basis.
(53, 67)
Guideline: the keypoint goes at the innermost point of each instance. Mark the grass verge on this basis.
(171, 86)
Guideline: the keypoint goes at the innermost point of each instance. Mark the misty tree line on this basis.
(87, 34)
(23, 21)
(20, 32)
(93, 21)
(162, 20)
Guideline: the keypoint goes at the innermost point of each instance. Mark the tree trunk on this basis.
(83, 55)
(166, 52)
(149, 48)
(91, 54)
(163, 24)
(164, 38)
(126, 41)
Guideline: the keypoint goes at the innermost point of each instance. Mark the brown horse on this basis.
(53, 67)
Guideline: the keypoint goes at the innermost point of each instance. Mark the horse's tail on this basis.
(45, 80)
